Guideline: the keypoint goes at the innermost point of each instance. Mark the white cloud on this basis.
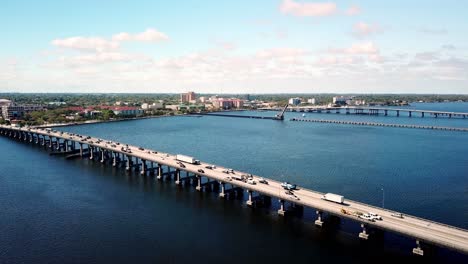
(362, 29)
(308, 9)
(353, 10)
(96, 44)
(149, 35)
(433, 31)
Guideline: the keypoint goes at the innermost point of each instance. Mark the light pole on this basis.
(383, 197)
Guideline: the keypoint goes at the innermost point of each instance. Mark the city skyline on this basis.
(288, 46)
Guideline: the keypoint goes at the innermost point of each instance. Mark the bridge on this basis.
(164, 165)
(371, 111)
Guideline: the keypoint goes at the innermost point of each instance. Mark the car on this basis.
(91, 141)
(288, 192)
(182, 165)
(200, 170)
(113, 145)
(149, 152)
(154, 152)
(367, 217)
(140, 148)
(117, 143)
(295, 197)
(262, 180)
(231, 171)
(229, 178)
(209, 167)
(225, 171)
(251, 181)
(398, 215)
(375, 216)
(288, 186)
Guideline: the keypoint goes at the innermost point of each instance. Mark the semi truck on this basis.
(187, 159)
(333, 198)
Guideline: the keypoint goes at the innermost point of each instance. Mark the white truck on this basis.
(333, 198)
(187, 159)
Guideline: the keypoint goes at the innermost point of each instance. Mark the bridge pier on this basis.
(127, 168)
(177, 176)
(160, 172)
(418, 250)
(103, 158)
(397, 112)
(281, 211)
(422, 114)
(364, 235)
(81, 149)
(91, 152)
(222, 194)
(249, 199)
(410, 113)
(143, 167)
(319, 221)
(199, 179)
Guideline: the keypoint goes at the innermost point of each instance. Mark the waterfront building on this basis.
(294, 101)
(127, 111)
(13, 111)
(311, 101)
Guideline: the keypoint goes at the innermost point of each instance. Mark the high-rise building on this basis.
(187, 97)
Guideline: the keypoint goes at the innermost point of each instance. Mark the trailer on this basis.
(187, 159)
(333, 198)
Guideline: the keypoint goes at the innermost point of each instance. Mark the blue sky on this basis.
(234, 46)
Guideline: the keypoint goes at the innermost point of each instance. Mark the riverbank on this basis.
(88, 122)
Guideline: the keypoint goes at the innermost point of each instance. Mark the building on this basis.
(12, 111)
(127, 111)
(224, 103)
(294, 101)
(187, 97)
(153, 106)
(311, 101)
(342, 100)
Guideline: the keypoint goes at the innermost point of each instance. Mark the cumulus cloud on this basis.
(86, 44)
(362, 29)
(302, 9)
(149, 35)
(353, 10)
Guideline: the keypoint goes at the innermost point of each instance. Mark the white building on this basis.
(294, 101)
(311, 101)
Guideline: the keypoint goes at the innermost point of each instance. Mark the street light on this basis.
(383, 197)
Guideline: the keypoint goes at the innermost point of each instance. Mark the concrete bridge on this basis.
(372, 111)
(164, 165)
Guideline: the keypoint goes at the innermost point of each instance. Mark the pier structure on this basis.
(166, 167)
(373, 111)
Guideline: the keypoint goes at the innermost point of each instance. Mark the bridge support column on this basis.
(177, 176)
(410, 114)
(143, 167)
(422, 114)
(386, 112)
(222, 194)
(418, 250)
(249, 200)
(160, 172)
(114, 159)
(103, 159)
(199, 179)
(127, 168)
(81, 149)
(363, 234)
(152, 168)
(91, 152)
(397, 112)
(281, 211)
(319, 222)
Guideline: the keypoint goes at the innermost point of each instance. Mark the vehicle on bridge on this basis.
(333, 198)
(288, 186)
(187, 159)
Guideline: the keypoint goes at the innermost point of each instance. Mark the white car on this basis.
(398, 215)
(251, 181)
(367, 217)
(375, 216)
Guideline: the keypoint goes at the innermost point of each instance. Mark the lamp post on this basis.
(383, 197)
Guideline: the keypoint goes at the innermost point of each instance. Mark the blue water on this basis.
(56, 210)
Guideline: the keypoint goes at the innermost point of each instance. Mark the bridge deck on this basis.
(418, 228)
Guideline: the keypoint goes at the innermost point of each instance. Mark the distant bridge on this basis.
(165, 165)
(371, 111)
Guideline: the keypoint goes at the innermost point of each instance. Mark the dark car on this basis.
(140, 148)
(200, 170)
(182, 165)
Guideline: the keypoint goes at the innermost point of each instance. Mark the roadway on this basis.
(411, 226)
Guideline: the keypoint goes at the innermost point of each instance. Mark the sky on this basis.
(261, 46)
